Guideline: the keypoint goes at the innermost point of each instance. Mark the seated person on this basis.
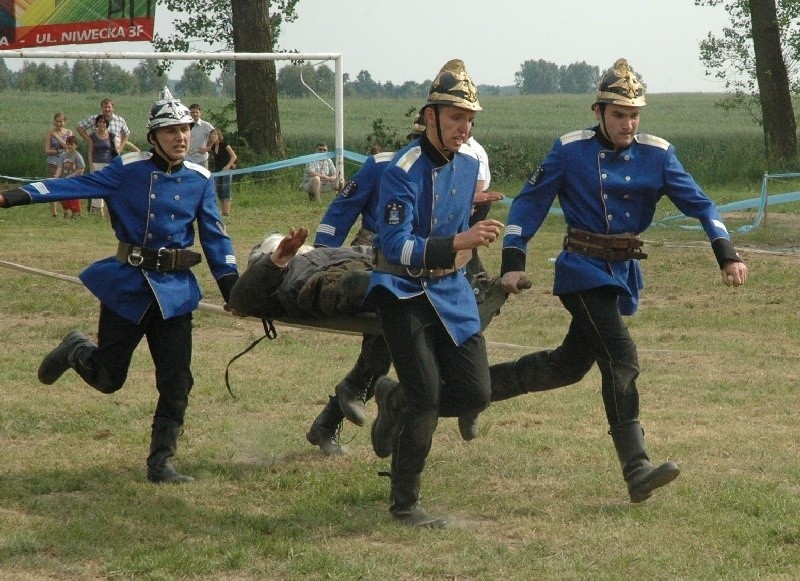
(321, 175)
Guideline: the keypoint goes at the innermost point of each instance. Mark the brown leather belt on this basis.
(161, 259)
(604, 246)
(382, 265)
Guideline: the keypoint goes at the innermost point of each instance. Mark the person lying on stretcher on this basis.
(286, 277)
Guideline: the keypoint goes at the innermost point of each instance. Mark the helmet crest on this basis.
(621, 86)
(168, 110)
(453, 87)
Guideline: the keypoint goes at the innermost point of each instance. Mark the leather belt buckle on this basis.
(161, 253)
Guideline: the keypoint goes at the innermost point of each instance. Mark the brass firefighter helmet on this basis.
(453, 87)
(621, 86)
(168, 110)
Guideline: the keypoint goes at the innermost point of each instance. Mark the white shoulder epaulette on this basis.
(409, 158)
(383, 156)
(198, 168)
(579, 135)
(135, 156)
(647, 139)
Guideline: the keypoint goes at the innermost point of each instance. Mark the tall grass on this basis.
(718, 147)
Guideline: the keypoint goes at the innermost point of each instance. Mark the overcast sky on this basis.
(409, 40)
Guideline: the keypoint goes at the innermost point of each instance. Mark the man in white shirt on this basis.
(116, 125)
(198, 146)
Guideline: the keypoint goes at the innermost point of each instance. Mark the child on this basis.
(71, 165)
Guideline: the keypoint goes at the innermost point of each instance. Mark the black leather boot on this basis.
(640, 475)
(356, 389)
(163, 445)
(63, 357)
(323, 432)
(406, 508)
(391, 403)
(352, 399)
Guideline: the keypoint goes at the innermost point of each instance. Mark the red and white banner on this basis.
(32, 23)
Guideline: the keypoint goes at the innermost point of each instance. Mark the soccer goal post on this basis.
(338, 109)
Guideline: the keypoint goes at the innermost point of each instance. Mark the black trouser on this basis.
(438, 377)
(170, 342)
(373, 361)
(598, 334)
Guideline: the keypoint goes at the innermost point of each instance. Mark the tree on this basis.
(111, 78)
(6, 76)
(751, 58)
(150, 77)
(226, 83)
(365, 86)
(537, 77)
(579, 78)
(325, 81)
(194, 83)
(82, 81)
(289, 83)
(245, 26)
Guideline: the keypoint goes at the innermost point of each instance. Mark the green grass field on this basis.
(718, 147)
(538, 496)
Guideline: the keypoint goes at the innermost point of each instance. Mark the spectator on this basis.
(198, 148)
(53, 146)
(101, 152)
(146, 289)
(71, 164)
(321, 175)
(116, 125)
(224, 159)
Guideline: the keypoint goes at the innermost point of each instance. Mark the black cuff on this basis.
(225, 284)
(513, 260)
(439, 252)
(16, 197)
(724, 251)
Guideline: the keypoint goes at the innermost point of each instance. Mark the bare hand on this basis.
(734, 273)
(487, 197)
(515, 282)
(481, 233)
(288, 247)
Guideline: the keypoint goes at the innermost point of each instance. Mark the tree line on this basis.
(293, 81)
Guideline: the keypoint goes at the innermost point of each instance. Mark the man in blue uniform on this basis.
(423, 299)
(608, 180)
(147, 288)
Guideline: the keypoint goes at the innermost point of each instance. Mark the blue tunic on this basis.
(358, 197)
(423, 204)
(604, 191)
(151, 208)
